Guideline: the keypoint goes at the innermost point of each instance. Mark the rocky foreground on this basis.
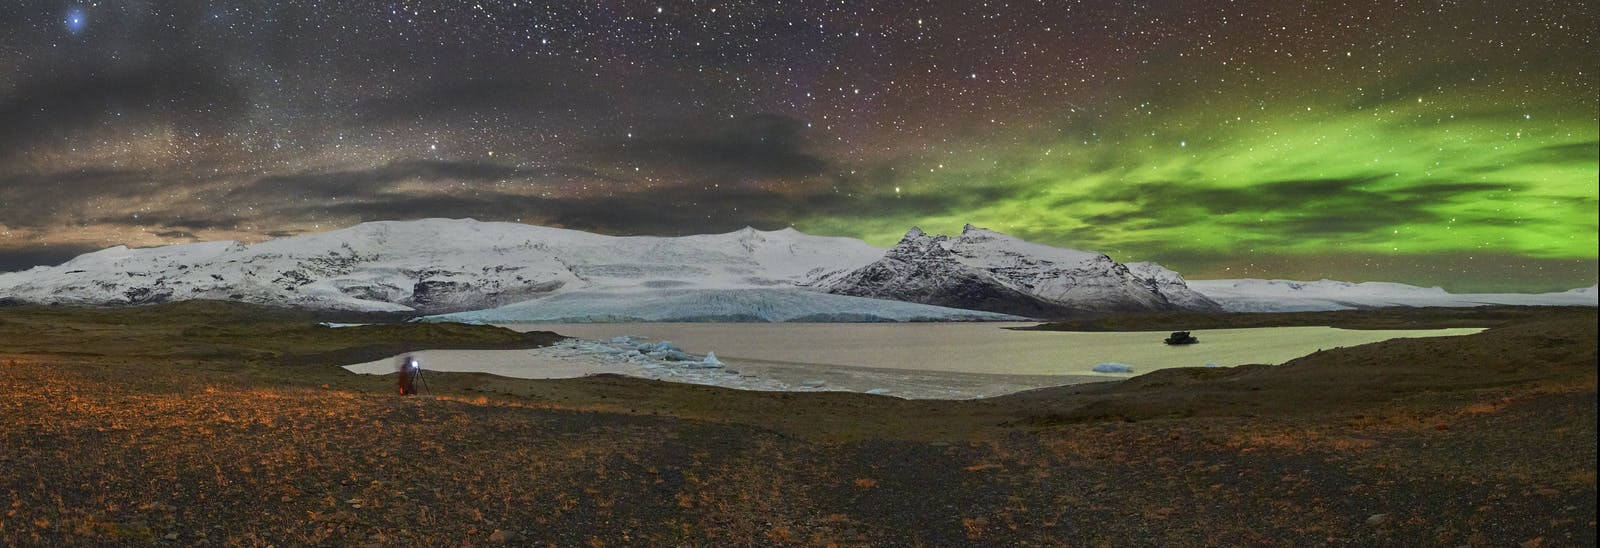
(1485, 442)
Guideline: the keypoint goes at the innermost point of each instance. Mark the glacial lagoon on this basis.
(987, 348)
(912, 360)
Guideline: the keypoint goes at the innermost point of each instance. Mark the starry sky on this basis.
(1447, 143)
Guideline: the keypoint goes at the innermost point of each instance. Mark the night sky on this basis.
(1435, 143)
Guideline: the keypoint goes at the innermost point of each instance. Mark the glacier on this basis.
(707, 305)
(434, 266)
(1255, 295)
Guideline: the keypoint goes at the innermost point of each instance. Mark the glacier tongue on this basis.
(720, 305)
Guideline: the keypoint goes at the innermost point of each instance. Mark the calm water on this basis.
(984, 348)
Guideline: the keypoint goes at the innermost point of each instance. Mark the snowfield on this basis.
(1252, 295)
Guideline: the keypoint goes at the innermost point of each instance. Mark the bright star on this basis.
(76, 20)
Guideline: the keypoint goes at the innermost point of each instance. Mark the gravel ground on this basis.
(96, 454)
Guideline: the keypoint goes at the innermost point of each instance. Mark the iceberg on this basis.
(1113, 368)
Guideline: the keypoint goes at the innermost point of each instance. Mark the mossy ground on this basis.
(209, 423)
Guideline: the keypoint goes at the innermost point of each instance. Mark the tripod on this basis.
(411, 377)
(420, 382)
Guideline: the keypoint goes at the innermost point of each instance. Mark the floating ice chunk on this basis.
(1109, 367)
(673, 355)
(1212, 364)
(813, 384)
(663, 346)
(711, 360)
(878, 391)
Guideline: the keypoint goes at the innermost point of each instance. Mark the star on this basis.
(76, 21)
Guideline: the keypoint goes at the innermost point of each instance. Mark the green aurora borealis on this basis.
(1444, 185)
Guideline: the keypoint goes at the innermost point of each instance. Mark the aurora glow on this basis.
(1436, 143)
(1464, 186)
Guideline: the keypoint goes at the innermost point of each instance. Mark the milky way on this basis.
(1444, 143)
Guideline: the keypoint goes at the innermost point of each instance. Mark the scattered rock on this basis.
(501, 536)
(157, 506)
(171, 536)
(1376, 520)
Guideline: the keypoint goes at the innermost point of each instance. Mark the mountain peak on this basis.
(986, 270)
(918, 243)
(970, 233)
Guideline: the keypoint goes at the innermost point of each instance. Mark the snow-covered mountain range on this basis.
(1251, 295)
(509, 271)
(986, 270)
(505, 272)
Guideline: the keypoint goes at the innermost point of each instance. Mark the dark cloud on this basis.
(1344, 208)
(521, 95)
(56, 110)
(890, 205)
(177, 235)
(1497, 271)
(1570, 153)
(368, 183)
(45, 199)
(23, 258)
(765, 146)
(659, 210)
(662, 211)
(192, 222)
(667, 212)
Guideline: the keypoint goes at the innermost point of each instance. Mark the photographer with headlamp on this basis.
(410, 371)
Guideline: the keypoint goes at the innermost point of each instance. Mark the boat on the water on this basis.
(1181, 337)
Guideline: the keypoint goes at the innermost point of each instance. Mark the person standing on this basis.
(408, 369)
